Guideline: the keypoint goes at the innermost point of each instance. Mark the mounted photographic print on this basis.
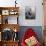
(30, 12)
(5, 12)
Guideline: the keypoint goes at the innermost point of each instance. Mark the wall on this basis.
(32, 3)
(39, 13)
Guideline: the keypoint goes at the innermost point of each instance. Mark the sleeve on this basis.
(22, 43)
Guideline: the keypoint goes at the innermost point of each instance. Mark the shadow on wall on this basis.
(37, 29)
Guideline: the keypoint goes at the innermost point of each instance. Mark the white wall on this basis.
(22, 3)
(39, 13)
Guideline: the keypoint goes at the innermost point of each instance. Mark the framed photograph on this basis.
(30, 12)
(5, 20)
(13, 12)
(5, 12)
(12, 20)
(6, 34)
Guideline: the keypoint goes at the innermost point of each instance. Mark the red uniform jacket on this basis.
(29, 33)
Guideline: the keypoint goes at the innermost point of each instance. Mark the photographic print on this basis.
(30, 12)
(5, 12)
